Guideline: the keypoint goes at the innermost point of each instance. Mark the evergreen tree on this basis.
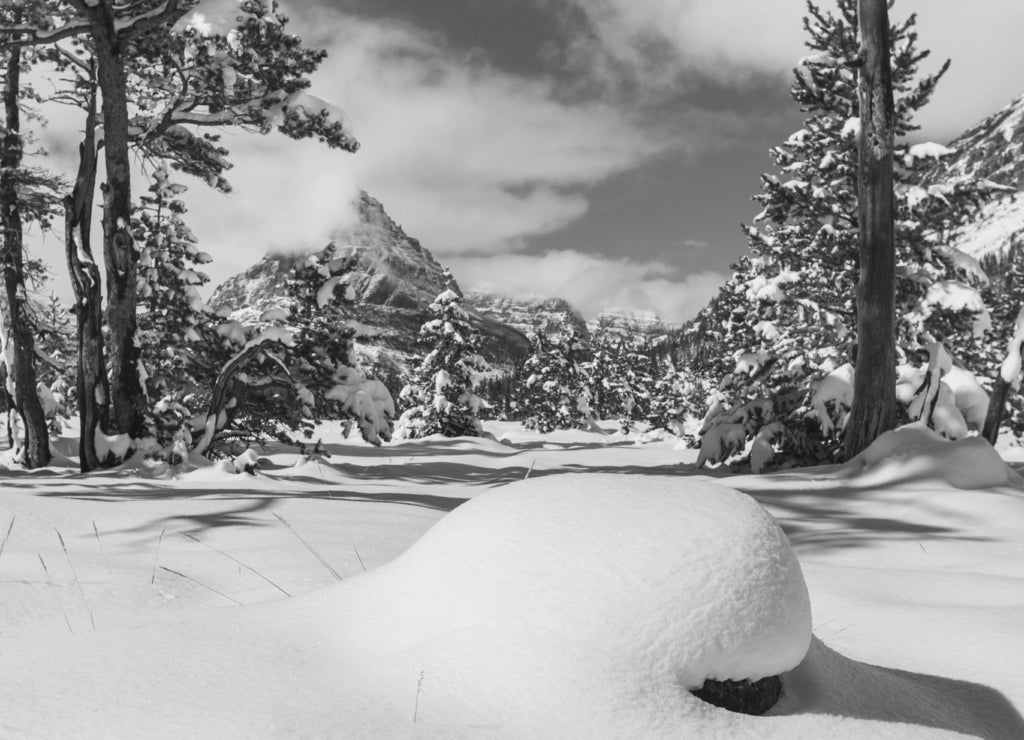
(159, 84)
(1004, 296)
(24, 196)
(619, 376)
(171, 310)
(441, 397)
(553, 391)
(786, 317)
(294, 368)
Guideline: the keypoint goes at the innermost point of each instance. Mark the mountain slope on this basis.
(992, 149)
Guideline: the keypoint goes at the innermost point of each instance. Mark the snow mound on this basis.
(632, 588)
(914, 451)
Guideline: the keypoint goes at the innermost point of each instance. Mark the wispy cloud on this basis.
(666, 45)
(591, 283)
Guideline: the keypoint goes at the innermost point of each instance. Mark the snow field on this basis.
(533, 610)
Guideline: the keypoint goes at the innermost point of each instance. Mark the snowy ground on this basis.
(220, 605)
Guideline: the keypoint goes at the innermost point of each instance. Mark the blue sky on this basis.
(604, 151)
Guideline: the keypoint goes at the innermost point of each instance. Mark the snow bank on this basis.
(914, 451)
(598, 589)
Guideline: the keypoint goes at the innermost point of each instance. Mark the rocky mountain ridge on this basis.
(991, 149)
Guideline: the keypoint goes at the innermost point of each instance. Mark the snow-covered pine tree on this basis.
(786, 316)
(552, 392)
(171, 310)
(1004, 296)
(441, 397)
(322, 358)
(676, 399)
(294, 368)
(619, 375)
(604, 372)
(164, 86)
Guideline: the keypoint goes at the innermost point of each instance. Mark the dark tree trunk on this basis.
(127, 396)
(874, 384)
(12, 258)
(996, 409)
(93, 392)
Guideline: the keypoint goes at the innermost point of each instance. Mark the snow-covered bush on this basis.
(441, 398)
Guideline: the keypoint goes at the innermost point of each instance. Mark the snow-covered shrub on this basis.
(441, 398)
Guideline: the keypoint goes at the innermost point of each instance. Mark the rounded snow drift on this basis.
(658, 581)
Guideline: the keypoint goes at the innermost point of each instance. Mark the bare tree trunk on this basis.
(12, 258)
(85, 279)
(127, 396)
(996, 409)
(874, 383)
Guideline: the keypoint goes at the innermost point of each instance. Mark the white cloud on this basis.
(736, 42)
(591, 283)
(468, 157)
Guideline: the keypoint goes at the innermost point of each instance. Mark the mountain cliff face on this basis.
(632, 323)
(993, 149)
(394, 278)
(526, 316)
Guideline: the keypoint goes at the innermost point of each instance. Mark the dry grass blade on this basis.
(199, 583)
(53, 590)
(7, 536)
(416, 709)
(361, 563)
(236, 560)
(103, 552)
(78, 583)
(156, 559)
(308, 546)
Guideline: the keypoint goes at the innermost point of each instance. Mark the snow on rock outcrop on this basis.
(915, 452)
(595, 590)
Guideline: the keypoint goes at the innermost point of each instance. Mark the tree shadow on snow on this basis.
(829, 683)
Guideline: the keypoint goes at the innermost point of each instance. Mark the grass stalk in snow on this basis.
(156, 559)
(361, 563)
(532, 463)
(103, 552)
(308, 546)
(7, 536)
(416, 708)
(78, 583)
(53, 590)
(236, 560)
(199, 583)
